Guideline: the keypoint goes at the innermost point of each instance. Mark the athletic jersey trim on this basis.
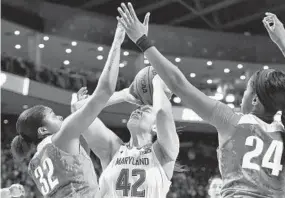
(268, 128)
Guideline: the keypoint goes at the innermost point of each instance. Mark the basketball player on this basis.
(251, 144)
(215, 185)
(61, 167)
(15, 190)
(275, 29)
(139, 168)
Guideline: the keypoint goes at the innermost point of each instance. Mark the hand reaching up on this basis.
(129, 20)
(274, 27)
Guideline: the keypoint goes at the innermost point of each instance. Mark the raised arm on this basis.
(101, 140)
(170, 74)
(78, 122)
(167, 138)
(275, 29)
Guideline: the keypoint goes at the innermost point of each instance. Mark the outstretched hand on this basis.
(82, 94)
(129, 20)
(274, 27)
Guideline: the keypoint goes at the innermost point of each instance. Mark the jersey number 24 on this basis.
(47, 184)
(274, 153)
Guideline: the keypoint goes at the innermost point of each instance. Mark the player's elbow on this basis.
(170, 150)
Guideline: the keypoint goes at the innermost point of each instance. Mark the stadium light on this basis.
(17, 32)
(18, 46)
(227, 70)
(177, 60)
(100, 57)
(239, 66)
(209, 63)
(242, 77)
(126, 53)
(66, 62)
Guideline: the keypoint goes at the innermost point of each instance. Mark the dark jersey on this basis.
(59, 174)
(250, 161)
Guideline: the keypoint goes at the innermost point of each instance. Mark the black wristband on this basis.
(143, 43)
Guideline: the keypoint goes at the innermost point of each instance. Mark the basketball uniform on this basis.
(250, 161)
(134, 172)
(58, 174)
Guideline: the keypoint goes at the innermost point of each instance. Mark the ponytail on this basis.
(20, 148)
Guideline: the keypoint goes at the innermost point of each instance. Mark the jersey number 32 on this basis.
(271, 158)
(48, 183)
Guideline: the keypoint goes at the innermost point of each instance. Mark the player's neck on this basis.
(140, 140)
(266, 117)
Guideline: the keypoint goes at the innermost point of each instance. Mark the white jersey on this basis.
(134, 172)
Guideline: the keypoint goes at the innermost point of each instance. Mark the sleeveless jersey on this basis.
(58, 174)
(134, 172)
(250, 161)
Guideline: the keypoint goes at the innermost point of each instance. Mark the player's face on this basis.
(246, 104)
(52, 121)
(142, 119)
(215, 188)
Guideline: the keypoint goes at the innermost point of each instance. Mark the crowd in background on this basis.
(62, 77)
(199, 157)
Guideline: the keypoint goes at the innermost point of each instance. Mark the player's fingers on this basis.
(123, 15)
(266, 25)
(126, 10)
(132, 11)
(85, 93)
(146, 19)
(122, 22)
(82, 89)
(270, 14)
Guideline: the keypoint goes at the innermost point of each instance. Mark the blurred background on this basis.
(51, 48)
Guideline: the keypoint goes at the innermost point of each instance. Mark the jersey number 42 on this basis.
(124, 185)
(271, 158)
(47, 183)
